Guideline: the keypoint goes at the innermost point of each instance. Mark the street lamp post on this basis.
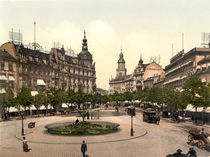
(22, 113)
(131, 125)
(131, 112)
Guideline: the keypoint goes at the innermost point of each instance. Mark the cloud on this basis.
(65, 32)
(102, 32)
(137, 43)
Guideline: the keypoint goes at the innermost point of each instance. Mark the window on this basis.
(29, 69)
(35, 81)
(10, 67)
(11, 85)
(2, 66)
(23, 83)
(23, 69)
(29, 83)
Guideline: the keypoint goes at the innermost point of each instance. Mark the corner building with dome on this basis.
(24, 67)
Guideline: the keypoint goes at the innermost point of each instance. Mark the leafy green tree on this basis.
(196, 92)
(128, 96)
(70, 96)
(37, 102)
(105, 99)
(145, 95)
(9, 99)
(80, 98)
(45, 101)
(24, 97)
(83, 114)
(55, 98)
(138, 95)
(171, 98)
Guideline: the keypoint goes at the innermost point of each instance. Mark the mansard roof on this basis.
(31, 52)
(5, 54)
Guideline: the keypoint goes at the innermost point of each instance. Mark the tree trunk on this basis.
(196, 114)
(203, 116)
(46, 109)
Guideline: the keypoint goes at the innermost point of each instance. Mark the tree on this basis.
(24, 97)
(70, 96)
(83, 113)
(37, 102)
(9, 100)
(80, 97)
(128, 96)
(45, 101)
(55, 98)
(197, 93)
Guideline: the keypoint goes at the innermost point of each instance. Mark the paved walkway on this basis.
(149, 139)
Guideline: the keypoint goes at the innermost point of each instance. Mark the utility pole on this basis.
(34, 35)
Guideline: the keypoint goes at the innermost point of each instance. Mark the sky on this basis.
(147, 27)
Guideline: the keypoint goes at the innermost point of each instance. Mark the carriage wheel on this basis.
(201, 144)
(190, 138)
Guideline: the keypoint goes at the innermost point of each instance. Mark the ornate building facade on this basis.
(24, 67)
(135, 81)
(196, 61)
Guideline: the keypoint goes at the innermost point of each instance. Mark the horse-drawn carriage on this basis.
(195, 137)
(151, 117)
(31, 125)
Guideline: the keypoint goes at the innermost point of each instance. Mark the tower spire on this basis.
(141, 61)
(84, 34)
(84, 44)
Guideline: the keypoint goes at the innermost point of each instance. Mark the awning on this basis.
(40, 82)
(33, 93)
(11, 78)
(3, 78)
(199, 109)
(2, 91)
(203, 80)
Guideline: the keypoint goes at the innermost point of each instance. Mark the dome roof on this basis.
(140, 61)
(121, 59)
(85, 53)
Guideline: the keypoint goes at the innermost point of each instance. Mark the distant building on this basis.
(196, 61)
(101, 91)
(135, 81)
(24, 67)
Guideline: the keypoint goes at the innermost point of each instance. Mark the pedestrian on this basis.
(191, 153)
(158, 119)
(25, 145)
(178, 153)
(88, 115)
(77, 121)
(83, 148)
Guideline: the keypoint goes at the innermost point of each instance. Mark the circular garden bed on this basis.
(82, 128)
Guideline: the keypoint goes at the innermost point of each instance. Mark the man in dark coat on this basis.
(25, 145)
(192, 153)
(83, 148)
